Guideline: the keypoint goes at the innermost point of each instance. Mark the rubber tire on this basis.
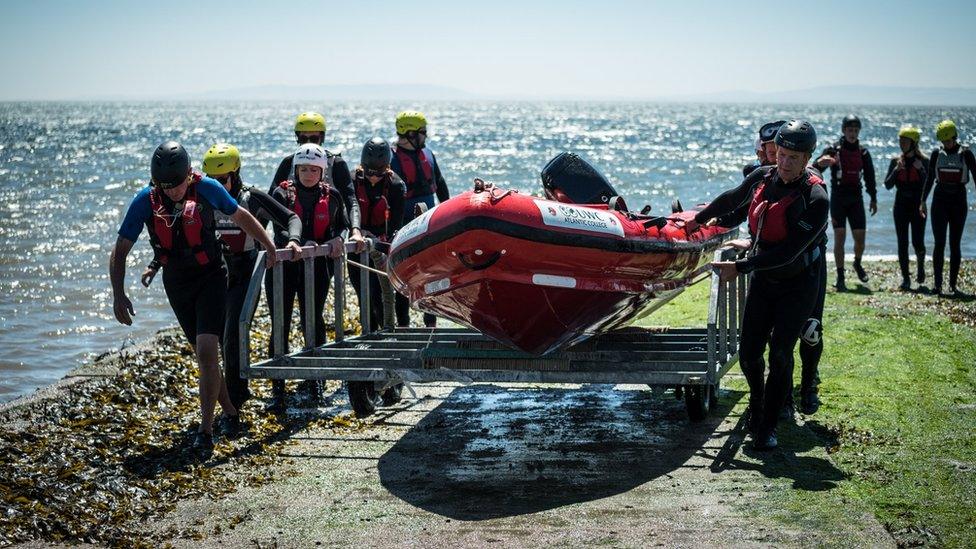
(392, 395)
(363, 398)
(699, 401)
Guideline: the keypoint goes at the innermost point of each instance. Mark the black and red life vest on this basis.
(235, 240)
(374, 214)
(321, 216)
(767, 221)
(196, 226)
(851, 162)
(951, 167)
(908, 176)
(410, 173)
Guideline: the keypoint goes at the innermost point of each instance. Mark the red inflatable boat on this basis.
(541, 274)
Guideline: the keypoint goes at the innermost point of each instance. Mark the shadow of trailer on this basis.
(692, 361)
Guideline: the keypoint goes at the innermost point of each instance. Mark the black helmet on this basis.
(851, 120)
(170, 165)
(376, 154)
(768, 131)
(797, 135)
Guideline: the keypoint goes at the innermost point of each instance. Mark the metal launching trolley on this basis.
(376, 363)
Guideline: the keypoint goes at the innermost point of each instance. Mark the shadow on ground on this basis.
(489, 451)
(808, 472)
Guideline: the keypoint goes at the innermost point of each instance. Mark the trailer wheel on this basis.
(392, 395)
(699, 400)
(363, 398)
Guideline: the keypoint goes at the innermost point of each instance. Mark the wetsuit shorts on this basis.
(198, 301)
(847, 207)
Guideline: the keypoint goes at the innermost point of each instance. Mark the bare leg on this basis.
(212, 387)
(858, 244)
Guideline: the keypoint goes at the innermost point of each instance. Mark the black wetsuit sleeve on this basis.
(889, 181)
(442, 192)
(732, 202)
(748, 169)
(930, 177)
(870, 181)
(970, 159)
(804, 231)
(281, 174)
(396, 196)
(341, 219)
(266, 208)
(342, 180)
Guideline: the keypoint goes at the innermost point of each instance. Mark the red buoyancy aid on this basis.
(321, 216)
(374, 214)
(767, 221)
(409, 170)
(851, 163)
(191, 223)
(908, 176)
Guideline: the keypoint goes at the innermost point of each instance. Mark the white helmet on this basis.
(310, 154)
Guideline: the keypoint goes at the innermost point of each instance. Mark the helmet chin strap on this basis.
(415, 141)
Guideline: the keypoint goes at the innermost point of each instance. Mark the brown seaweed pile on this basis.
(104, 456)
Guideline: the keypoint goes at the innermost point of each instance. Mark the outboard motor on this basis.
(568, 178)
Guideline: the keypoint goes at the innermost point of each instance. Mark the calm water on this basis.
(68, 171)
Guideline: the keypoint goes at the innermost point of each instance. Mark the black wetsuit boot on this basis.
(755, 374)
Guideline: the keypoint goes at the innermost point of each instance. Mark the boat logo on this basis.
(580, 218)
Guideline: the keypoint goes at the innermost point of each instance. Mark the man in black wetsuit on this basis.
(787, 207)
(811, 336)
(950, 168)
(310, 128)
(416, 165)
(847, 160)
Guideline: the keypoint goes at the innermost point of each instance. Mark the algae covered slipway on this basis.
(103, 457)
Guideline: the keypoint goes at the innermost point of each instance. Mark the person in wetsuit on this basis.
(847, 161)
(310, 128)
(223, 163)
(179, 210)
(787, 207)
(950, 168)
(765, 147)
(380, 194)
(416, 165)
(811, 335)
(907, 174)
(323, 215)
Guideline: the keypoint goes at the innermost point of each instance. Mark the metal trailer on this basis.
(375, 364)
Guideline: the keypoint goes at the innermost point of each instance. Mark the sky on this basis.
(54, 49)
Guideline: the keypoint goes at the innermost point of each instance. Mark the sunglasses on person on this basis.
(317, 139)
(374, 173)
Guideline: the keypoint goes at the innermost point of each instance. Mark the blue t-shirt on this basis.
(140, 210)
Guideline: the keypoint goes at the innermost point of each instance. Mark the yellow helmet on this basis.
(946, 130)
(910, 132)
(222, 158)
(310, 122)
(410, 121)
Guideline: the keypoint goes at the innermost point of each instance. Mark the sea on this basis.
(69, 170)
